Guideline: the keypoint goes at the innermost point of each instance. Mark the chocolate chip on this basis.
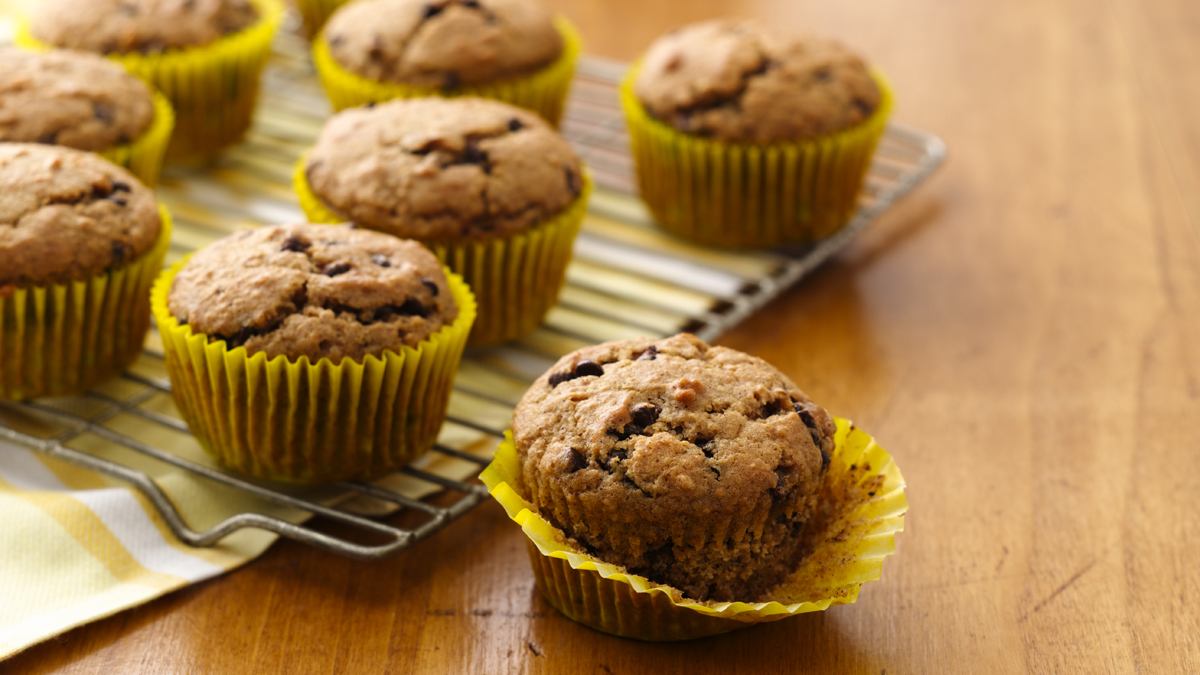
(515, 125)
(810, 422)
(381, 260)
(294, 244)
(412, 308)
(648, 355)
(473, 155)
(336, 40)
(644, 415)
(575, 460)
(118, 200)
(825, 459)
(452, 80)
(706, 445)
(471, 4)
(130, 10)
(336, 268)
(863, 107)
(102, 113)
(615, 455)
(48, 139)
(119, 252)
(118, 186)
(572, 181)
(781, 489)
(584, 368)
(587, 368)
(823, 74)
(369, 104)
(433, 287)
(431, 11)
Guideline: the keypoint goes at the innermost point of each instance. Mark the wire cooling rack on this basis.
(627, 279)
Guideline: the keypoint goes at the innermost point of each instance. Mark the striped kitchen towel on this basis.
(76, 547)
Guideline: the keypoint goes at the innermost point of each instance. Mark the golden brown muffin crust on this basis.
(67, 215)
(69, 98)
(442, 43)
(441, 169)
(315, 291)
(743, 81)
(121, 26)
(695, 466)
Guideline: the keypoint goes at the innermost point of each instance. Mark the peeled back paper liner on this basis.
(308, 422)
(213, 88)
(862, 507)
(725, 193)
(544, 91)
(516, 279)
(61, 339)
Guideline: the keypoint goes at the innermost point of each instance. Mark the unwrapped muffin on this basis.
(85, 102)
(510, 50)
(748, 136)
(491, 188)
(81, 240)
(310, 353)
(205, 56)
(693, 466)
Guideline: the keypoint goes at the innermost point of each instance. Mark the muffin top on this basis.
(315, 291)
(743, 81)
(687, 463)
(68, 215)
(148, 26)
(70, 98)
(442, 169)
(442, 43)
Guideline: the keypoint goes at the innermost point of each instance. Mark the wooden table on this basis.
(1023, 334)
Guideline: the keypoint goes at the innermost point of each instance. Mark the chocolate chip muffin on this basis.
(442, 43)
(742, 81)
(313, 291)
(66, 215)
(443, 169)
(691, 465)
(145, 26)
(70, 98)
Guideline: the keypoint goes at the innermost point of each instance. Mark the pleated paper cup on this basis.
(60, 339)
(298, 421)
(516, 279)
(144, 155)
(212, 88)
(724, 193)
(861, 508)
(544, 91)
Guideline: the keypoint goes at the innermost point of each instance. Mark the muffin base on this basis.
(862, 506)
(60, 339)
(305, 422)
(544, 91)
(516, 279)
(212, 88)
(745, 194)
(316, 13)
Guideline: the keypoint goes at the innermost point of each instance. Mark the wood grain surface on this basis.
(1023, 334)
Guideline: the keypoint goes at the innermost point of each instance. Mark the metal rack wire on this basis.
(627, 279)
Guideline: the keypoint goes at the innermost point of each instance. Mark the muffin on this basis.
(491, 188)
(308, 353)
(510, 50)
(691, 465)
(746, 136)
(81, 240)
(85, 102)
(670, 490)
(205, 56)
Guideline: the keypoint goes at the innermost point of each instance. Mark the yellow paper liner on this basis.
(60, 339)
(213, 88)
(516, 279)
(298, 421)
(317, 12)
(862, 507)
(543, 92)
(144, 156)
(743, 194)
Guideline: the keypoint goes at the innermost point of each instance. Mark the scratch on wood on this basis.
(1064, 586)
(533, 649)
